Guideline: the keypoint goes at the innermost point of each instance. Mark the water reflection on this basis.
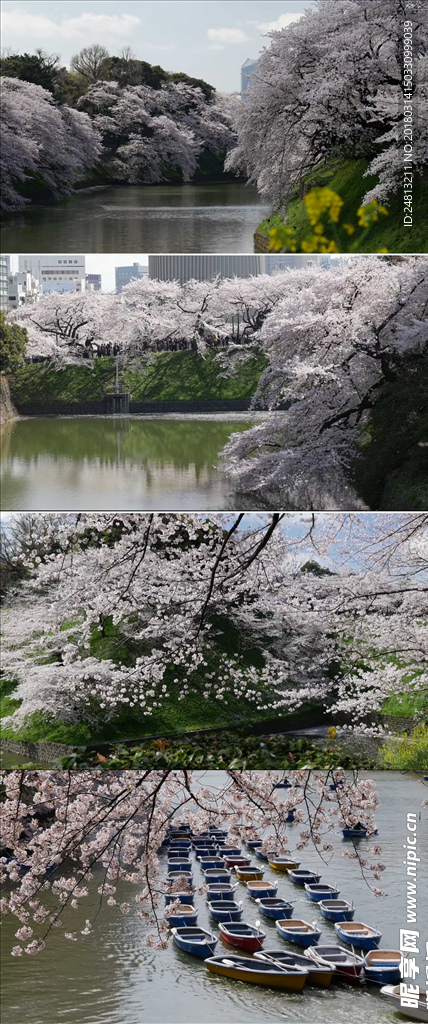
(171, 218)
(96, 462)
(115, 979)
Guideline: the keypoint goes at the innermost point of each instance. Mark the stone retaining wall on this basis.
(142, 407)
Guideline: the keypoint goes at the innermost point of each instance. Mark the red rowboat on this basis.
(242, 935)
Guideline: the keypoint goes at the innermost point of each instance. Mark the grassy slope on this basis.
(392, 470)
(172, 375)
(346, 178)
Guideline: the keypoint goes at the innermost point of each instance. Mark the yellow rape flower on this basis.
(323, 200)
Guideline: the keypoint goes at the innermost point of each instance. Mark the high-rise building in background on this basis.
(203, 267)
(4, 274)
(124, 275)
(93, 282)
(56, 273)
(23, 289)
(247, 71)
(295, 261)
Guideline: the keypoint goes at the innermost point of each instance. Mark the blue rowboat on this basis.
(180, 844)
(357, 833)
(275, 908)
(318, 891)
(253, 843)
(355, 933)
(347, 965)
(230, 851)
(264, 856)
(285, 784)
(220, 891)
(184, 897)
(196, 941)
(300, 932)
(299, 876)
(216, 875)
(225, 910)
(177, 864)
(210, 862)
(172, 876)
(262, 889)
(383, 966)
(290, 817)
(337, 910)
(182, 918)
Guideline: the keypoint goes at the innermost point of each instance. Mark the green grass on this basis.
(346, 178)
(173, 376)
(407, 704)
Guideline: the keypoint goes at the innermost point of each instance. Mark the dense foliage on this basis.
(13, 345)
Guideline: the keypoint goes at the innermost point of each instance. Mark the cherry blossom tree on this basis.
(332, 341)
(78, 834)
(328, 86)
(147, 130)
(40, 137)
(61, 327)
(165, 583)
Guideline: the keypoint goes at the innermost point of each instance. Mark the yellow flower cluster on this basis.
(324, 203)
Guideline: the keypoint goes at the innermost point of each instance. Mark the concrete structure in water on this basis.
(124, 275)
(56, 272)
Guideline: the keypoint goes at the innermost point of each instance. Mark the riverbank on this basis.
(346, 177)
(7, 408)
(168, 377)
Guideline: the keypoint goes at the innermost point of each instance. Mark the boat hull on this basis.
(302, 879)
(283, 866)
(339, 914)
(248, 876)
(357, 939)
(419, 1012)
(251, 943)
(226, 913)
(321, 894)
(316, 975)
(300, 938)
(182, 920)
(202, 948)
(263, 891)
(273, 979)
(279, 913)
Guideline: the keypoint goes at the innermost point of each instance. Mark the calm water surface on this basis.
(159, 218)
(105, 462)
(115, 979)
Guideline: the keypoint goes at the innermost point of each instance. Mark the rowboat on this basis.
(262, 889)
(178, 864)
(184, 916)
(300, 932)
(195, 940)
(245, 936)
(253, 843)
(278, 863)
(186, 875)
(184, 897)
(318, 891)
(225, 910)
(285, 784)
(383, 966)
(417, 1012)
(290, 817)
(348, 965)
(317, 975)
(264, 856)
(221, 891)
(363, 936)
(210, 862)
(299, 876)
(275, 908)
(248, 874)
(216, 875)
(231, 851)
(357, 833)
(242, 968)
(337, 910)
(180, 844)
(234, 861)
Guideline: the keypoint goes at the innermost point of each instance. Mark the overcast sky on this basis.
(207, 39)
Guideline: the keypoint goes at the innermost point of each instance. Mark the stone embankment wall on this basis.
(99, 409)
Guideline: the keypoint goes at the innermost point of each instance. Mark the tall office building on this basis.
(93, 282)
(4, 274)
(23, 289)
(203, 267)
(295, 261)
(56, 272)
(124, 275)
(248, 69)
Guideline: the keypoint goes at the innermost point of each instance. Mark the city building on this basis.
(247, 71)
(4, 274)
(23, 289)
(204, 267)
(56, 272)
(124, 275)
(93, 282)
(295, 261)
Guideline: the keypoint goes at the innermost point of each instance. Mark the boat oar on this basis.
(276, 963)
